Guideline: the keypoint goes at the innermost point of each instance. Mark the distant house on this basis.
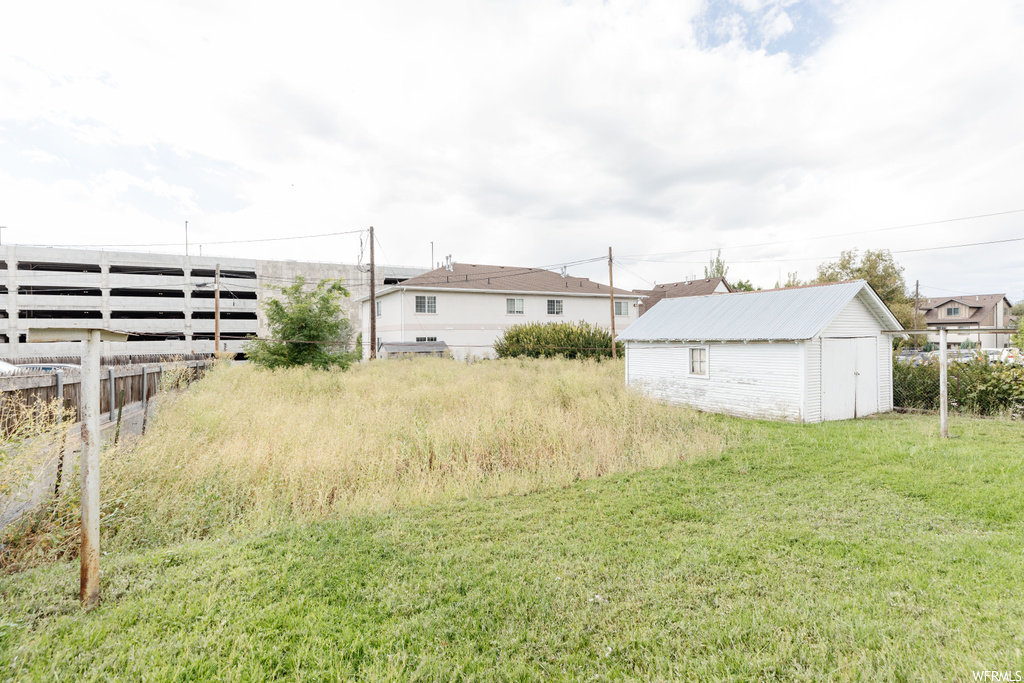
(802, 354)
(468, 306)
(675, 290)
(975, 311)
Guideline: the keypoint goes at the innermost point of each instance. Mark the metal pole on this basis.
(373, 302)
(611, 297)
(113, 398)
(90, 552)
(216, 311)
(943, 389)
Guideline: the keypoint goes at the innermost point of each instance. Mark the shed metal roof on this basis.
(777, 314)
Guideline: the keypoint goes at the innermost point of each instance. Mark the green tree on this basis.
(716, 267)
(791, 281)
(1018, 308)
(1018, 339)
(879, 268)
(742, 286)
(307, 327)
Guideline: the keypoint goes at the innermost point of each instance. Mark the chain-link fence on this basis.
(976, 384)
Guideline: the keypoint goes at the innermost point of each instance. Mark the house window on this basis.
(379, 308)
(698, 361)
(952, 311)
(621, 308)
(426, 339)
(514, 306)
(426, 304)
(554, 307)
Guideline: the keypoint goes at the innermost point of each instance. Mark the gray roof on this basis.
(785, 314)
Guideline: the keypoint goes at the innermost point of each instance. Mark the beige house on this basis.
(976, 311)
(675, 290)
(468, 306)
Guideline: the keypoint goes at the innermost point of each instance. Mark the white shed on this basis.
(803, 354)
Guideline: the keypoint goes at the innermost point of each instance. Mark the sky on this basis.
(526, 133)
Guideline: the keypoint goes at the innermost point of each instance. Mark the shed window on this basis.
(621, 308)
(426, 304)
(514, 306)
(554, 307)
(952, 310)
(426, 339)
(698, 361)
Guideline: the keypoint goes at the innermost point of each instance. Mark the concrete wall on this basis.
(470, 322)
(169, 312)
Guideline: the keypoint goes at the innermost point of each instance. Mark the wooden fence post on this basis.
(113, 399)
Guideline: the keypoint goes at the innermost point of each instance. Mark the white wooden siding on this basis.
(855, 320)
(812, 384)
(758, 380)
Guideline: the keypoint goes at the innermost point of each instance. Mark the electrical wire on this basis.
(840, 234)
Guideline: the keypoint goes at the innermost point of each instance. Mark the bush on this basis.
(974, 387)
(571, 340)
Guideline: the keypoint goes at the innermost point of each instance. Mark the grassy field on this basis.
(866, 550)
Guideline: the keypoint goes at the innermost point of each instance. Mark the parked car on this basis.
(48, 367)
(8, 368)
(1012, 355)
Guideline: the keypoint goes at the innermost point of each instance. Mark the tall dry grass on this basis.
(255, 448)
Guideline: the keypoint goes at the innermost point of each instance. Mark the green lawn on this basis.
(867, 550)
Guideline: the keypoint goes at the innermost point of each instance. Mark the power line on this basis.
(840, 234)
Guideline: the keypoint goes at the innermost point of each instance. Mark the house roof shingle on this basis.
(984, 303)
(674, 290)
(474, 276)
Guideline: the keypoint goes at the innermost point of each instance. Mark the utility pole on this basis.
(611, 297)
(186, 238)
(216, 310)
(373, 302)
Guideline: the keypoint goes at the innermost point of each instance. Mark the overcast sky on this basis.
(525, 133)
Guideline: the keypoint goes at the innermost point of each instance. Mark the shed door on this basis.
(849, 377)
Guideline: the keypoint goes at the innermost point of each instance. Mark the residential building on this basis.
(976, 312)
(468, 306)
(675, 290)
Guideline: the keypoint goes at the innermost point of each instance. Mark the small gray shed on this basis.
(802, 354)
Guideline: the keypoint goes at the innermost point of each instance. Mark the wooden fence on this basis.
(25, 392)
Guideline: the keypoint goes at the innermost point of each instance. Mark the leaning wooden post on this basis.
(89, 588)
(943, 388)
(89, 584)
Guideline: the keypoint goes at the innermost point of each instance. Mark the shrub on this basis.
(973, 387)
(569, 339)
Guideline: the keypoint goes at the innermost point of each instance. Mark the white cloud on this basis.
(527, 132)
